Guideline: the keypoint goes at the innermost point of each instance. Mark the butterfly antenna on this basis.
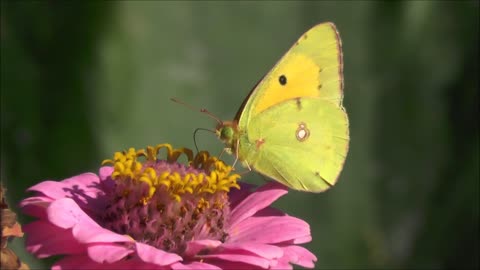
(205, 111)
(195, 137)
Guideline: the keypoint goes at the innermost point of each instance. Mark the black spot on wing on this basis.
(320, 85)
(299, 103)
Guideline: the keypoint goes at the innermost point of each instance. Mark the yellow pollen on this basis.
(214, 176)
(203, 204)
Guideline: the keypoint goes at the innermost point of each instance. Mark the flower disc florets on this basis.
(166, 204)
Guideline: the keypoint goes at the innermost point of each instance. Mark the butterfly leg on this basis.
(234, 163)
(221, 153)
(249, 169)
(236, 154)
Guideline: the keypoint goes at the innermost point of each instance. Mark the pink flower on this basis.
(160, 214)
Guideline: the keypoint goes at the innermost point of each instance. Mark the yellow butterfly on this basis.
(292, 127)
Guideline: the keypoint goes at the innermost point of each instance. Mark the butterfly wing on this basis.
(301, 143)
(313, 67)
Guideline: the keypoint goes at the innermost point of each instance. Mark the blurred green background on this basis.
(82, 80)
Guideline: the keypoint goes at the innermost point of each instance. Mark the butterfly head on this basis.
(227, 133)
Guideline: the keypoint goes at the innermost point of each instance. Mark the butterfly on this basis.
(292, 127)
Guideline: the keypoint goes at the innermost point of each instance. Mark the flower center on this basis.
(164, 203)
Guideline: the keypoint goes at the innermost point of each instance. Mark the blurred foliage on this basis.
(80, 80)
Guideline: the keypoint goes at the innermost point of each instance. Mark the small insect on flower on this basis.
(144, 212)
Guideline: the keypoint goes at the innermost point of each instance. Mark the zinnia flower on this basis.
(148, 213)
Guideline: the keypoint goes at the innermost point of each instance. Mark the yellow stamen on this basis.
(214, 175)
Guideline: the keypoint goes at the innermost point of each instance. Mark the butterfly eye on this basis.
(282, 79)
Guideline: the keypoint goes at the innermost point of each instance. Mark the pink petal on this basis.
(85, 189)
(194, 266)
(156, 256)
(194, 247)
(281, 264)
(105, 172)
(83, 183)
(262, 250)
(248, 259)
(269, 230)
(75, 262)
(269, 211)
(107, 183)
(302, 239)
(237, 195)
(45, 239)
(36, 206)
(65, 213)
(85, 234)
(233, 265)
(300, 256)
(84, 262)
(108, 253)
(256, 201)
